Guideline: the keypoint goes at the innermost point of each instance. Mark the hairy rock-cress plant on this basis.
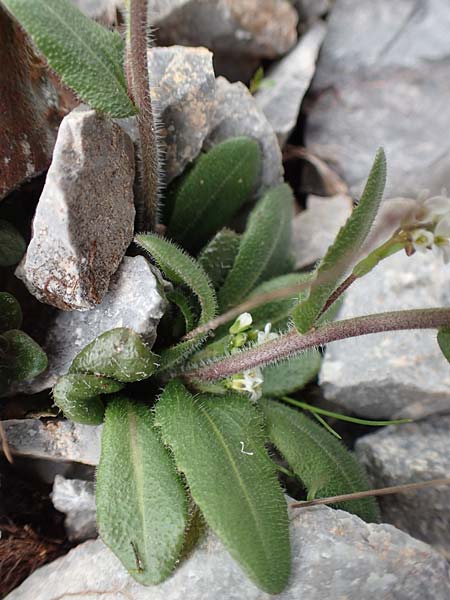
(188, 424)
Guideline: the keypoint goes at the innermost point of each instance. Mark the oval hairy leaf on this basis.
(20, 357)
(264, 246)
(141, 502)
(120, 354)
(10, 312)
(292, 374)
(78, 396)
(213, 190)
(342, 253)
(320, 460)
(219, 255)
(218, 444)
(443, 338)
(12, 244)
(86, 56)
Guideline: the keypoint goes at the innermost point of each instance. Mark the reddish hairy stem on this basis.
(293, 343)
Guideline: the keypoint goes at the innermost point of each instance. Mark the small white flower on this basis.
(242, 323)
(422, 239)
(266, 335)
(441, 239)
(437, 207)
(249, 381)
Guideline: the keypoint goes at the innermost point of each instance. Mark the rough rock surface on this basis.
(335, 555)
(85, 217)
(104, 11)
(75, 498)
(315, 228)
(398, 374)
(383, 67)
(406, 454)
(54, 440)
(238, 114)
(29, 109)
(260, 28)
(135, 299)
(310, 10)
(288, 81)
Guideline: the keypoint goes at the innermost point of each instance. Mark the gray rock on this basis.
(238, 114)
(315, 228)
(310, 10)
(289, 80)
(397, 374)
(406, 454)
(135, 299)
(335, 555)
(54, 440)
(104, 11)
(384, 66)
(259, 28)
(76, 499)
(85, 217)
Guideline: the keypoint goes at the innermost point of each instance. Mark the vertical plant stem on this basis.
(137, 78)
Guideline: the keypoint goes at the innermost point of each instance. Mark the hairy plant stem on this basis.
(293, 343)
(395, 489)
(139, 89)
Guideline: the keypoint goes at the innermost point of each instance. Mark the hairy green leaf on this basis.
(78, 396)
(141, 502)
(264, 245)
(10, 312)
(12, 244)
(342, 253)
(213, 190)
(292, 374)
(218, 444)
(219, 255)
(181, 300)
(119, 354)
(443, 338)
(321, 461)
(20, 357)
(86, 56)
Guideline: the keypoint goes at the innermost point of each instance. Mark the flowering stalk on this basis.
(293, 343)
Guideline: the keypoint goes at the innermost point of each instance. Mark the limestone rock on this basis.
(85, 217)
(238, 114)
(396, 374)
(407, 454)
(335, 555)
(76, 498)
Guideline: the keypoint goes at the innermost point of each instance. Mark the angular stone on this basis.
(373, 81)
(135, 299)
(396, 374)
(85, 217)
(310, 10)
(259, 28)
(315, 228)
(407, 454)
(289, 80)
(238, 114)
(54, 440)
(76, 499)
(333, 553)
(29, 109)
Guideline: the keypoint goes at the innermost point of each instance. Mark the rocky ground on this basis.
(341, 78)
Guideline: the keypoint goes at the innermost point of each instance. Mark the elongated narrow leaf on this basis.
(86, 56)
(292, 374)
(141, 503)
(443, 338)
(183, 302)
(218, 444)
(12, 244)
(79, 397)
(21, 358)
(341, 254)
(219, 255)
(119, 354)
(321, 461)
(213, 190)
(10, 312)
(259, 251)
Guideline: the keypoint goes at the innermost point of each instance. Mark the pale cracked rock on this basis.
(76, 499)
(238, 114)
(85, 216)
(394, 374)
(135, 299)
(408, 454)
(335, 555)
(54, 440)
(258, 28)
(289, 80)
